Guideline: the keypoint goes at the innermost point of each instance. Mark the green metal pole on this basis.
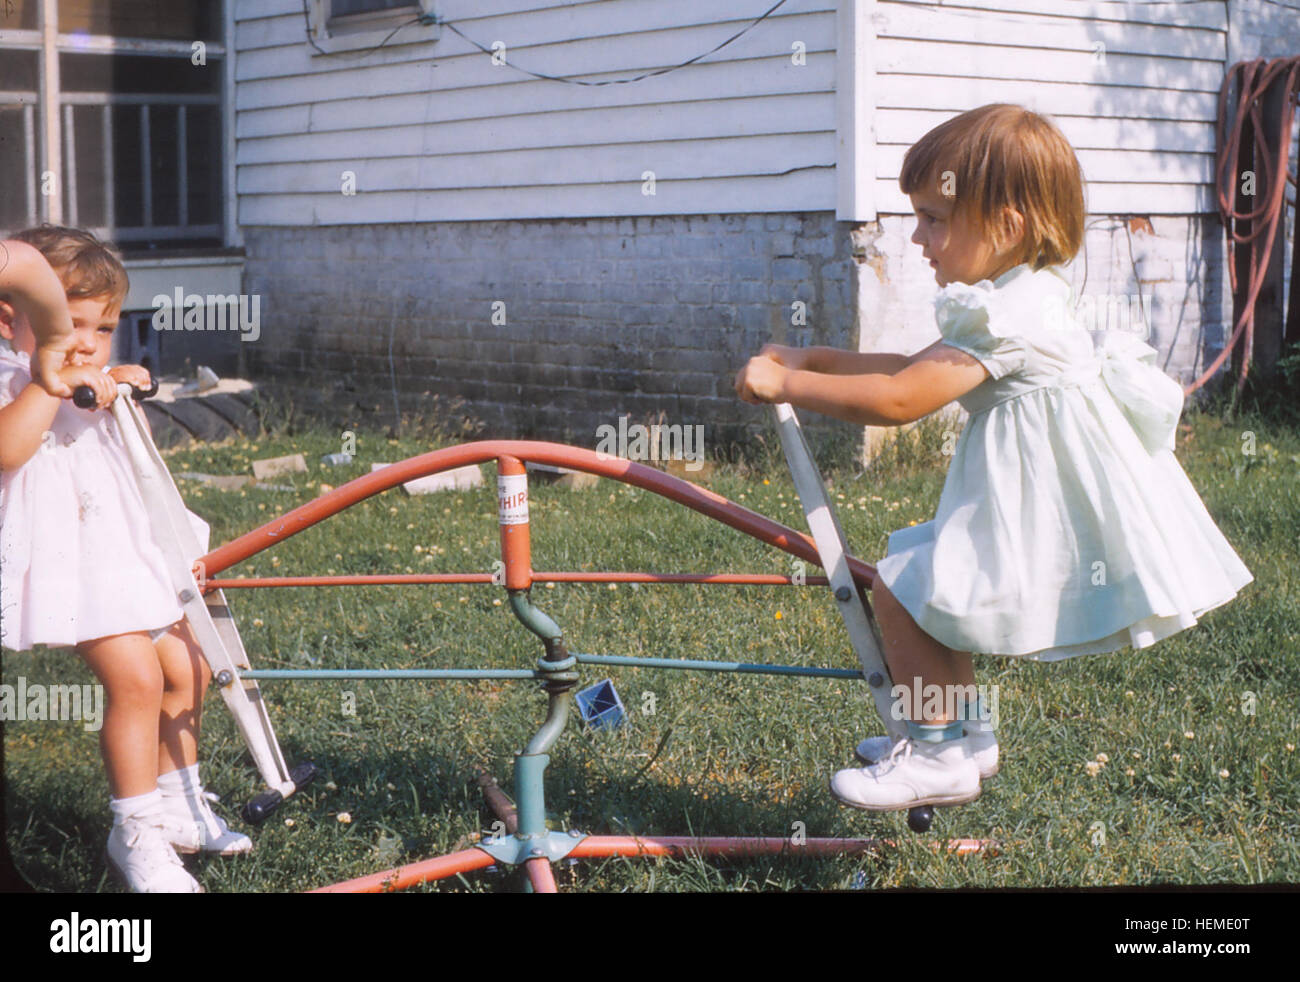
(559, 679)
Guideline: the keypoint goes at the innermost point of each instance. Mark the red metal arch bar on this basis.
(556, 454)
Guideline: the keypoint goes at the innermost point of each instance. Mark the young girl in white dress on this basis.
(78, 564)
(1065, 525)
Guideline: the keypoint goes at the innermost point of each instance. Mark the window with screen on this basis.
(131, 143)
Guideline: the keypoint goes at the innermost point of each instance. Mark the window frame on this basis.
(329, 35)
(52, 109)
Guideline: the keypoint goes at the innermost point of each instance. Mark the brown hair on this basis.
(1001, 156)
(88, 267)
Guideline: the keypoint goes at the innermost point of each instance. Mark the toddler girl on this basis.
(1065, 526)
(80, 565)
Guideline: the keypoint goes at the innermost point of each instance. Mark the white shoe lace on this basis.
(903, 748)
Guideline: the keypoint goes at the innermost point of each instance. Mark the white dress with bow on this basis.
(1065, 526)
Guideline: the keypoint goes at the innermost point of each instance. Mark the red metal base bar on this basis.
(417, 579)
(438, 868)
(678, 846)
(598, 846)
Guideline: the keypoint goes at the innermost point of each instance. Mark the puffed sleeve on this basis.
(14, 377)
(973, 319)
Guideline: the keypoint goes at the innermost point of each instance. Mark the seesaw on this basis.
(526, 839)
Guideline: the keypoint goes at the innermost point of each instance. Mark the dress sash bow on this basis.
(1150, 400)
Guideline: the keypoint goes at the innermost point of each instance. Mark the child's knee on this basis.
(185, 671)
(138, 686)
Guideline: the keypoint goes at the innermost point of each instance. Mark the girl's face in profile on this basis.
(955, 249)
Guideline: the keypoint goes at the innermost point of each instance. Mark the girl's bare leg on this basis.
(911, 654)
(127, 666)
(185, 675)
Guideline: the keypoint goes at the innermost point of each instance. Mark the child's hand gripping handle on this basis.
(83, 397)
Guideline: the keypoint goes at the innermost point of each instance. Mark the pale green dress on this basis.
(1065, 526)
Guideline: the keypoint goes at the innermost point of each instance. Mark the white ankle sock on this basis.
(181, 783)
(140, 805)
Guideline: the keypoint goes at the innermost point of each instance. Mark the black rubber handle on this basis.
(83, 397)
(262, 805)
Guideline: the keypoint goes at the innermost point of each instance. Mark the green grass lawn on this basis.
(1194, 773)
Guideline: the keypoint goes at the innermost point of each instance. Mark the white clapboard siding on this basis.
(484, 113)
(656, 127)
(802, 190)
(1187, 13)
(940, 93)
(468, 93)
(620, 164)
(436, 131)
(1133, 86)
(1104, 166)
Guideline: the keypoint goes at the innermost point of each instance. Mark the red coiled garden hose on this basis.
(1253, 78)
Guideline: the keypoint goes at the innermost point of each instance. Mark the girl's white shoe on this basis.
(195, 827)
(983, 746)
(914, 773)
(140, 853)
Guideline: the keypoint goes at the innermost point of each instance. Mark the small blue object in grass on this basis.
(600, 706)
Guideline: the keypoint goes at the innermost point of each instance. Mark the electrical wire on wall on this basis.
(1271, 144)
(430, 19)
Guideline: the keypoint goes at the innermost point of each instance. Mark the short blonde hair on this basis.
(1003, 156)
(88, 268)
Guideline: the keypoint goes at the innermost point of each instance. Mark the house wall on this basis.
(549, 328)
(435, 131)
(1133, 86)
(477, 185)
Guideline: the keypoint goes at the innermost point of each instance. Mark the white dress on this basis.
(78, 559)
(1065, 526)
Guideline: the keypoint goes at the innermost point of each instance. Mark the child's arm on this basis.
(35, 289)
(835, 361)
(934, 378)
(26, 420)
